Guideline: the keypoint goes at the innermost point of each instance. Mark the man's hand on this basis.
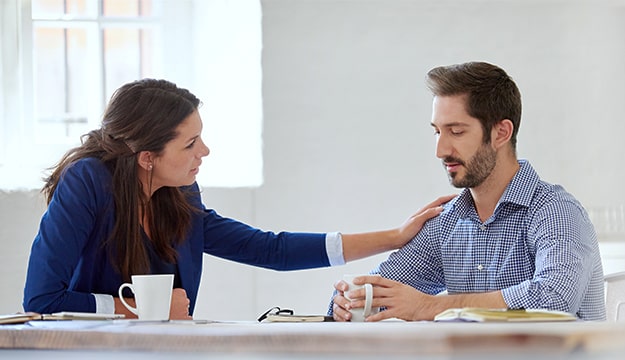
(341, 305)
(401, 301)
(405, 302)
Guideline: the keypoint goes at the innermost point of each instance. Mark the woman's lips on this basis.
(196, 169)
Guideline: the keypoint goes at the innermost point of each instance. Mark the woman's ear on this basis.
(145, 160)
(502, 132)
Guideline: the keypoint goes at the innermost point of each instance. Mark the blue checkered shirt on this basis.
(539, 248)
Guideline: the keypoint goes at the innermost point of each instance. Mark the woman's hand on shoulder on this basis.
(414, 223)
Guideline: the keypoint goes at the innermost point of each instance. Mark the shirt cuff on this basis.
(334, 248)
(515, 296)
(104, 304)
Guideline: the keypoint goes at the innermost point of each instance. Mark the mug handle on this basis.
(368, 299)
(121, 298)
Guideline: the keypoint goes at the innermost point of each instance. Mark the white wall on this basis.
(347, 141)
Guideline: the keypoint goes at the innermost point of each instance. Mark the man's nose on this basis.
(443, 148)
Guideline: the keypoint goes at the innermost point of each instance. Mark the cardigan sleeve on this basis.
(64, 231)
(236, 241)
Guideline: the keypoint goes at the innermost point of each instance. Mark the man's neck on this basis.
(487, 194)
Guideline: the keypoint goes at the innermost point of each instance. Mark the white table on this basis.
(242, 340)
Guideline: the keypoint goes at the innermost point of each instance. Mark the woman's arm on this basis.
(357, 246)
(236, 241)
(58, 248)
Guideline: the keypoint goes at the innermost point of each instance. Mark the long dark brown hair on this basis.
(492, 95)
(141, 116)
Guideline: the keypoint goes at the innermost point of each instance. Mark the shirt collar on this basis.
(519, 191)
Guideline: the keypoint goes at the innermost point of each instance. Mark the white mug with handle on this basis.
(152, 296)
(360, 314)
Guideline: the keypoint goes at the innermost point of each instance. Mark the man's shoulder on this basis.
(536, 192)
(553, 201)
(547, 192)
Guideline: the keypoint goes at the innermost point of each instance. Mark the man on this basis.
(509, 240)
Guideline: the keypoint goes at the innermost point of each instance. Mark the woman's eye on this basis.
(191, 144)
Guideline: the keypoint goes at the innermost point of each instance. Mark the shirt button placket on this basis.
(481, 274)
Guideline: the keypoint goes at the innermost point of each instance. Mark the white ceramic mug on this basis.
(152, 296)
(359, 314)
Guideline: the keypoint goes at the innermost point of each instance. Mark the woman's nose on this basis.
(204, 149)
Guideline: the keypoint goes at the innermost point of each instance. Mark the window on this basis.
(82, 51)
(70, 55)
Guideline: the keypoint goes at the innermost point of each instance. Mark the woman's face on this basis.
(181, 158)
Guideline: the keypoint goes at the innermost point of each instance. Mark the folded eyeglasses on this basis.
(274, 311)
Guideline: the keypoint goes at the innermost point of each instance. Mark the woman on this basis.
(125, 202)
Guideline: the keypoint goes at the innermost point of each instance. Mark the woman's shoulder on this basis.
(85, 182)
(88, 166)
(88, 172)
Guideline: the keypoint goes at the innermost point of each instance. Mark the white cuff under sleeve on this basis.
(334, 248)
(104, 304)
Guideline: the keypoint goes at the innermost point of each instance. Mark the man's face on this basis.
(460, 143)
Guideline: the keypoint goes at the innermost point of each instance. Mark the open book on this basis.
(503, 315)
(19, 318)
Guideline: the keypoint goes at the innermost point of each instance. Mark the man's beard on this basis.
(478, 168)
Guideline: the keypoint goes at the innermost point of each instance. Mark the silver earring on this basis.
(150, 167)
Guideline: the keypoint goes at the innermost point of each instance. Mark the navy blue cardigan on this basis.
(68, 262)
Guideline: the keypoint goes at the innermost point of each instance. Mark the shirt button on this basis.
(480, 267)
(482, 227)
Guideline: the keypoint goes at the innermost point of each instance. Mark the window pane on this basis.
(62, 69)
(127, 8)
(49, 58)
(146, 8)
(78, 84)
(57, 8)
(122, 57)
(48, 8)
(80, 7)
(149, 55)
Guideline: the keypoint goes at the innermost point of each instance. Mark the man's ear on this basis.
(145, 160)
(501, 133)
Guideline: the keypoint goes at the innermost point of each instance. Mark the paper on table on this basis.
(69, 315)
(20, 318)
(503, 315)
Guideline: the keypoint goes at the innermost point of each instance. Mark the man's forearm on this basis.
(491, 300)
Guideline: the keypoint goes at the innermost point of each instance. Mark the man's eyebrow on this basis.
(448, 125)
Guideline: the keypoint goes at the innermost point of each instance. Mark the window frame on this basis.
(236, 152)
